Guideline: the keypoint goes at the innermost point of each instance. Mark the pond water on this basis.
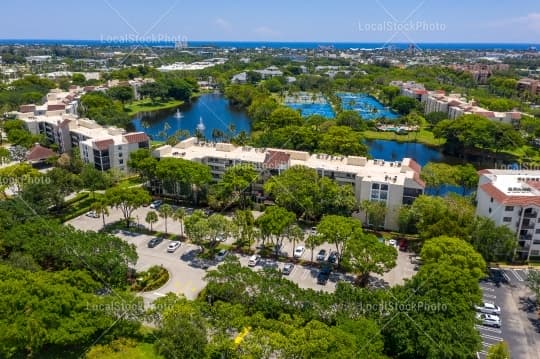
(212, 110)
(393, 151)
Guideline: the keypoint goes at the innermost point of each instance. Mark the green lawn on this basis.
(423, 136)
(147, 106)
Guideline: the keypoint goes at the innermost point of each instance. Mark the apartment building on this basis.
(531, 86)
(393, 182)
(480, 72)
(112, 151)
(454, 105)
(512, 198)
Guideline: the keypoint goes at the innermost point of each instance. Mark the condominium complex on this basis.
(392, 182)
(57, 120)
(531, 86)
(453, 105)
(480, 72)
(512, 198)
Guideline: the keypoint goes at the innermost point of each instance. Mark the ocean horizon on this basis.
(487, 46)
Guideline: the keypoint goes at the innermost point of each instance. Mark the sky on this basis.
(409, 21)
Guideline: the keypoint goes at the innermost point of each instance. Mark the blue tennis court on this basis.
(308, 109)
(366, 106)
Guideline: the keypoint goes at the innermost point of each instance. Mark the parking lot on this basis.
(520, 326)
(188, 279)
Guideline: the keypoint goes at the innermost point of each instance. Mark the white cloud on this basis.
(530, 21)
(223, 24)
(265, 31)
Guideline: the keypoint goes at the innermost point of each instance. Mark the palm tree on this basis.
(295, 234)
(365, 206)
(151, 218)
(165, 211)
(101, 208)
(179, 216)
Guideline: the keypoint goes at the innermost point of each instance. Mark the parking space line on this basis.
(490, 296)
(506, 276)
(486, 336)
(305, 274)
(518, 277)
(159, 294)
(483, 327)
(488, 289)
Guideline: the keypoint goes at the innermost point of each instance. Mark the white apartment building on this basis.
(512, 198)
(392, 182)
(112, 151)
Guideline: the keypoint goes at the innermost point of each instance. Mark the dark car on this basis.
(287, 268)
(324, 275)
(403, 245)
(332, 258)
(321, 256)
(154, 242)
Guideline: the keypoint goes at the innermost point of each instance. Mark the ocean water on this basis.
(276, 45)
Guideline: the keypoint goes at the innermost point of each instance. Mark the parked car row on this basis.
(488, 314)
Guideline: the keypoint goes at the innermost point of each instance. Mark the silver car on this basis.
(489, 320)
(488, 308)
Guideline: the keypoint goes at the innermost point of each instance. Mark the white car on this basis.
(92, 214)
(488, 308)
(299, 251)
(173, 246)
(254, 260)
(156, 204)
(392, 243)
(489, 320)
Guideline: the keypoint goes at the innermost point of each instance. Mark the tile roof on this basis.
(503, 198)
(103, 144)
(276, 159)
(136, 137)
(39, 153)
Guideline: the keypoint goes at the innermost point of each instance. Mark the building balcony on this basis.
(529, 225)
(530, 214)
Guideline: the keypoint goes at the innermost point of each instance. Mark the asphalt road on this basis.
(520, 322)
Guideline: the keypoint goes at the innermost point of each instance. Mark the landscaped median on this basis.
(423, 136)
(147, 106)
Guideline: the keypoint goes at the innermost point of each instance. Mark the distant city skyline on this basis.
(383, 21)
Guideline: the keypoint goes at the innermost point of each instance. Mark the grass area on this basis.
(147, 105)
(79, 205)
(130, 182)
(423, 136)
(525, 152)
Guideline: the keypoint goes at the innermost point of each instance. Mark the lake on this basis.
(394, 151)
(212, 109)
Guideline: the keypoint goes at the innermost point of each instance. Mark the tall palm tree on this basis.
(179, 216)
(101, 207)
(151, 218)
(165, 212)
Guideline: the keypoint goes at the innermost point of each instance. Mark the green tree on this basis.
(533, 282)
(179, 215)
(339, 231)
(94, 179)
(312, 242)
(235, 185)
(404, 105)
(456, 252)
(151, 218)
(274, 223)
(284, 116)
(436, 175)
(433, 118)
(218, 227)
(390, 92)
(196, 227)
(342, 140)
(498, 351)
(244, 224)
(365, 254)
(166, 212)
(101, 208)
(182, 332)
(491, 241)
(18, 175)
(121, 93)
(127, 199)
(351, 119)
(78, 79)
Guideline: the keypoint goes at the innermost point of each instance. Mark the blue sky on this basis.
(277, 20)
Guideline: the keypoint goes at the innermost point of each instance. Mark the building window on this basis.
(507, 219)
(491, 199)
(121, 162)
(509, 208)
(537, 231)
(536, 241)
(489, 210)
(534, 253)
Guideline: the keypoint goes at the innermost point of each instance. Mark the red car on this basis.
(403, 245)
